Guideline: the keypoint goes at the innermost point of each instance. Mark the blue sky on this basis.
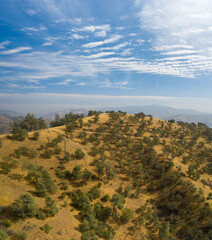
(57, 54)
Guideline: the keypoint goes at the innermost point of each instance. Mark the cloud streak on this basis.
(113, 39)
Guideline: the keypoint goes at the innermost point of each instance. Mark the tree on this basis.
(87, 175)
(50, 208)
(24, 207)
(118, 201)
(41, 189)
(19, 134)
(127, 215)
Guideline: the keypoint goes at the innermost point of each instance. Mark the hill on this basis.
(108, 176)
(157, 111)
(4, 124)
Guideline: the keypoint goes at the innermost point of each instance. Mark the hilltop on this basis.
(108, 176)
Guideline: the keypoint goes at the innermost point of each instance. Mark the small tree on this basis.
(24, 207)
(41, 189)
(50, 209)
(127, 215)
(87, 175)
(79, 154)
(19, 134)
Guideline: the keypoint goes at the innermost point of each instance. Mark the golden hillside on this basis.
(111, 176)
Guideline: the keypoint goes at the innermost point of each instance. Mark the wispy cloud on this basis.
(4, 44)
(15, 50)
(31, 12)
(101, 54)
(100, 43)
(65, 82)
(92, 28)
(77, 36)
(34, 29)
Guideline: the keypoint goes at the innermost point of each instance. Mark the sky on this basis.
(60, 54)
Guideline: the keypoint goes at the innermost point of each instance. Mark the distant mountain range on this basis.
(157, 111)
(7, 117)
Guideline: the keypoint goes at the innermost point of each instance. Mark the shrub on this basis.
(41, 189)
(1, 143)
(127, 215)
(94, 193)
(46, 228)
(24, 207)
(105, 198)
(7, 223)
(50, 207)
(79, 154)
(8, 163)
(3, 235)
(41, 215)
(36, 136)
(19, 236)
(19, 134)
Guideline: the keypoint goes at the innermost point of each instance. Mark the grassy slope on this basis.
(65, 223)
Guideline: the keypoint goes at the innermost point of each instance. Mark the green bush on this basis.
(41, 189)
(105, 198)
(19, 134)
(3, 235)
(50, 207)
(1, 143)
(41, 215)
(127, 215)
(19, 236)
(24, 207)
(79, 154)
(46, 228)
(7, 163)
(36, 136)
(7, 223)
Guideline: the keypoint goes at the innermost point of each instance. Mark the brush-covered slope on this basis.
(109, 176)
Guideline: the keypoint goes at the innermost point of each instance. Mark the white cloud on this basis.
(117, 47)
(34, 29)
(82, 84)
(77, 36)
(92, 28)
(106, 41)
(3, 44)
(15, 50)
(31, 12)
(65, 82)
(101, 34)
(101, 54)
(47, 44)
(181, 28)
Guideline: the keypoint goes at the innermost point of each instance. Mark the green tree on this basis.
(50, 208)
(24, 207)
(41, 189)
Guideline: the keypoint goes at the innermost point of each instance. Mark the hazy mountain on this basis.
(193, 118)
(51, 116)
(4, 124)
(157, 111)
(9, 114)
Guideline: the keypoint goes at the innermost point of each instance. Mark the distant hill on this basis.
(9, 114)
(6, 117)
(157, 111)
(4, 124)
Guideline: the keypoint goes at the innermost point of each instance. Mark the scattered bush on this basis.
(46, 228)
(24, 207)
(19, 236)
(3, 235)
